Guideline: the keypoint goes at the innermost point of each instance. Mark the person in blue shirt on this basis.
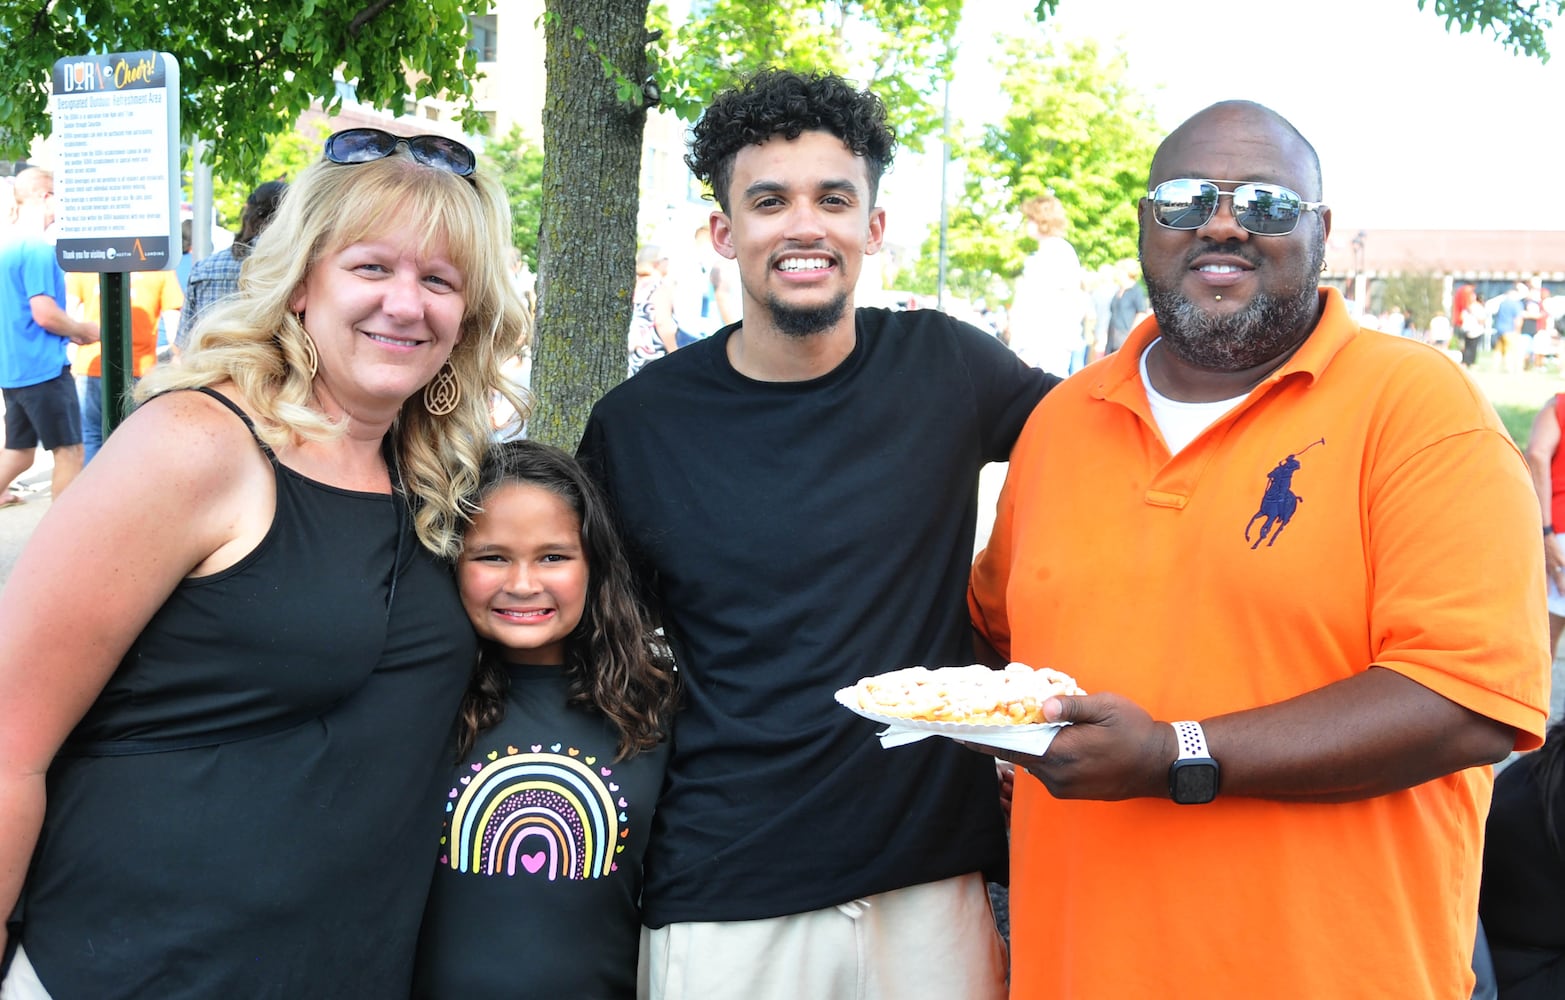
(35, 374)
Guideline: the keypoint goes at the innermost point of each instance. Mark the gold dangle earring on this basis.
(443, 394)
(312, 361)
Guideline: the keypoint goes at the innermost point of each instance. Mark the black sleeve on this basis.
(589, 452)
(1519, 899)
(1006, 389)
(593, 452)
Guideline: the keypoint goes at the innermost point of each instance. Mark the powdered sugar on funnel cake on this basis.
(972, 695)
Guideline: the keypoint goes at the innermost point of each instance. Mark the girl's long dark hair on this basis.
(616, 665)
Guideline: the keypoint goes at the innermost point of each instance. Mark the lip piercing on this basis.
(1219, 298)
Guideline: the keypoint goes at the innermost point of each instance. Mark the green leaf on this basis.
(244, 76)
(1071, 123)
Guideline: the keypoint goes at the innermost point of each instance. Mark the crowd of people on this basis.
(52, 321)
(371, 690)
(1521, 325)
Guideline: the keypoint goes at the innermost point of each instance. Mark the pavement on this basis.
(17, 523)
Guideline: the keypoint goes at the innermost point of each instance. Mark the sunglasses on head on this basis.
(1262, 209)
(364, 145)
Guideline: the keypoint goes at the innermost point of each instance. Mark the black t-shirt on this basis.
(1522, 898)
(798, 536)
(538, 874)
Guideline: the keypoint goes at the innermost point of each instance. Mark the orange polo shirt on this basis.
(1403, 534)
(152, 293)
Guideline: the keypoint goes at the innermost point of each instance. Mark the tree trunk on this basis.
(591, 189)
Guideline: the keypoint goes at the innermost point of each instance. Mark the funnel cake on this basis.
(970, 695)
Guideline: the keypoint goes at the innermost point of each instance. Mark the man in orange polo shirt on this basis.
(1238, 533)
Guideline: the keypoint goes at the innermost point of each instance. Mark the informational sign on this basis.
(116, 122)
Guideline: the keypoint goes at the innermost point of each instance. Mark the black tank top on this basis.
(244, 811)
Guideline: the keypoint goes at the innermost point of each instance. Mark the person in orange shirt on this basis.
(153, 294)
(1236, 532)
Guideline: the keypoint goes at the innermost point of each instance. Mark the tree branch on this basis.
(367, 15)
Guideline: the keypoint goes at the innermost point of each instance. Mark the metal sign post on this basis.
(116, 118)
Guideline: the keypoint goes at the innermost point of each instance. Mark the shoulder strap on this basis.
(207, 390)
(129, 747)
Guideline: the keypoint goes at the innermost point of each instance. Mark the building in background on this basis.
(1362, 262)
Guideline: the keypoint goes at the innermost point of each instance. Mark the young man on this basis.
(40, 396)
(1271, 490)
(800, 490)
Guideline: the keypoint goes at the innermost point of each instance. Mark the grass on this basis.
(1517, 396)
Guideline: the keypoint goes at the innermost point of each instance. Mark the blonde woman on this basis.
(233, 652)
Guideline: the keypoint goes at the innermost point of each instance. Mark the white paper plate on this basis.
(1033, 738)
(848, 698)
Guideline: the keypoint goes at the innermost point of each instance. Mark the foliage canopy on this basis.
(286, 156)
(518, 162)
(1519, 27)
(1074, 127)
(246, 72)
(902, 51)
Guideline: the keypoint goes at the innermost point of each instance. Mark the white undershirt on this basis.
(1180, 422)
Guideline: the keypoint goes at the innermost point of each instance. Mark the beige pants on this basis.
(936, 941)
(21, 982)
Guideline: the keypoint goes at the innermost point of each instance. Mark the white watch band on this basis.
(1192, 740)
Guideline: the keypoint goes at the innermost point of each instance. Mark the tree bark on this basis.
(591, 191)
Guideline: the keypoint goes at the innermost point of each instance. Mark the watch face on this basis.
(1193, 782)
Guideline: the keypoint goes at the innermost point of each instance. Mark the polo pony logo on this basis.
(1279, 502)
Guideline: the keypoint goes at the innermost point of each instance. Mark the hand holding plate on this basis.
(1111, 750)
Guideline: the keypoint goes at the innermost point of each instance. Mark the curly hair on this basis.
(1047, 213)
(254, 340)
(780, 102)
(615, 663)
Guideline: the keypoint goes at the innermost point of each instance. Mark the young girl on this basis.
(561, 748)
(1521, 899)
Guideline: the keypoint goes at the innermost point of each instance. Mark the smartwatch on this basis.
(1193, 777)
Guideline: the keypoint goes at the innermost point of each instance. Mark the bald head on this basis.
(1234, 125)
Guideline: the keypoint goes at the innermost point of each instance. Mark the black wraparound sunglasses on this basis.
(364, 145)
(1262, 209)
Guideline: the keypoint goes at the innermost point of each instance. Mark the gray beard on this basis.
(796, 322)
(1266, 328)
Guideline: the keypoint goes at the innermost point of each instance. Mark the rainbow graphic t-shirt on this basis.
(541, 845)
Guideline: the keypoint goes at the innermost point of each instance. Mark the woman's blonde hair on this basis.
(255, 340)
